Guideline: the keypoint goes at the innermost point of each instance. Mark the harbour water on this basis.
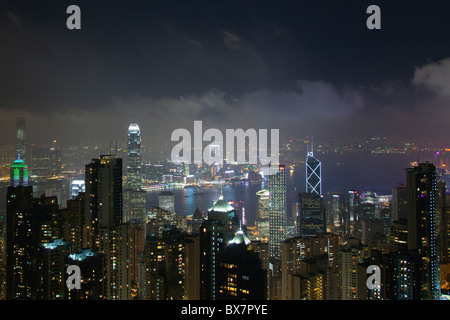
(340, 172)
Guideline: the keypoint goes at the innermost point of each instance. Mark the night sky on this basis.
(304, 67)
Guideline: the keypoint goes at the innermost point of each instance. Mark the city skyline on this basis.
(357, 180)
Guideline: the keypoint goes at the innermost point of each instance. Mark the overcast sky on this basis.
(304, 67)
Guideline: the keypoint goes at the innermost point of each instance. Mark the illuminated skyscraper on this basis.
(278, 208)
(20, 243)
(134, 196)
(311, 214)
(134, 157)
(18, 174)
(421, 184)
(107, 233)
(223, 212)
(335, 223)
(20, 137)
(212, 247)
(313, 173)
(262, 214)
(240, 273)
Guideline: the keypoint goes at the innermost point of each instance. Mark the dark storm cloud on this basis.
(302, 66)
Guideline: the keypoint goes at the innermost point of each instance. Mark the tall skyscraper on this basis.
(20, 243)
(421, 186)
(21, 137)
(399, 203)
(311, 214)
(240, 273)
(134, 157)
(336, 212)
(134, 197)
(278, 208)
(212, 247)
(223, 212)
(106, 232)
(313, 172)
(262, 214)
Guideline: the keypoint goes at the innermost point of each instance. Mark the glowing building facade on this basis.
(278, 208)
(422, 225)
(134, 150)
(313, 173)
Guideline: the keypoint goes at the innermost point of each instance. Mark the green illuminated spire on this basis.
(18, 173)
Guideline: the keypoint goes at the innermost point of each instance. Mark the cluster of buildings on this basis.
(125, 252)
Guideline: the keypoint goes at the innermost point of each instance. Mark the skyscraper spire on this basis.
(313, 171)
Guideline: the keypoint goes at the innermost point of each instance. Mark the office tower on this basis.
(106, 232)
(422, 228)
(353, 214)
(309, 267)
(240, 276)
(93, 275)
(277, 213)
(167, 201)
(262, 214)
(52, 269)
(19, 245)
(134, 150)
(311, 218)
(352, 254)
(74, 221)
(212, 246)
(336, 213)
(313, 172)
(399, 208)
(21, 138)
(134, 198)
(225, 213)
